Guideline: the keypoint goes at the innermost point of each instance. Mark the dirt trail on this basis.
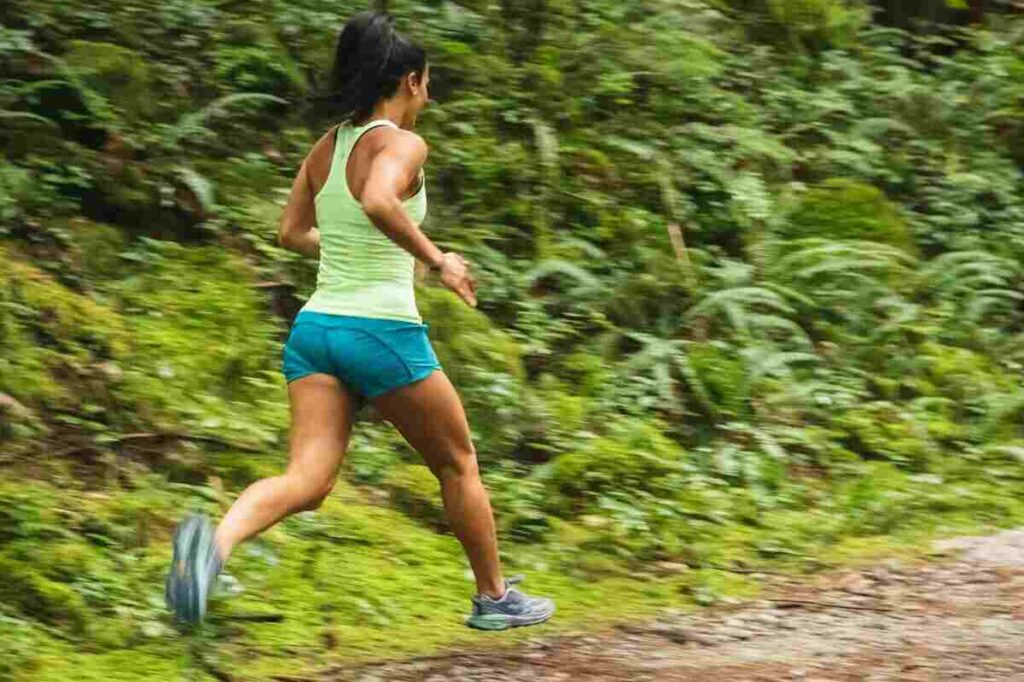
(958, 619)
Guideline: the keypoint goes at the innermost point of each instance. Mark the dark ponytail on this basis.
(369, 62)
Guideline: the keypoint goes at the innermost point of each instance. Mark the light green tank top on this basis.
(362, 272)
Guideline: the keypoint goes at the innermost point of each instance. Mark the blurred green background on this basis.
(751, 294)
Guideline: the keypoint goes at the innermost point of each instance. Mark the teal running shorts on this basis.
(368, 355)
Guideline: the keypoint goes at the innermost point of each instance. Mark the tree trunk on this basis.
(977, 11)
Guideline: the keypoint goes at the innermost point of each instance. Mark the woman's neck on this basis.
(391, 110)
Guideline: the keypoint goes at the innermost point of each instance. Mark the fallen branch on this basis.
(179, 435)
(799, 603)
(207, 664)
(161, 435)
(254, 618)
(749, 571)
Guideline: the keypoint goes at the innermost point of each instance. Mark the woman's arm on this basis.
(395, 168)
(297, 231)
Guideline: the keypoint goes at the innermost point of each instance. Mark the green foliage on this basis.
(193, 126)
(255, 68)
(558, 418)
(817, 24)
(15, 189)
(722, 376)
(811, 25)
(749, 292)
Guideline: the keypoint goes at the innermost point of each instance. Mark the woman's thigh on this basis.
(430, 416)
(321, 424)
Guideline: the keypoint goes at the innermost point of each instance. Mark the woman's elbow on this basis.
(376, 206)
(283, 237)
(286, 234)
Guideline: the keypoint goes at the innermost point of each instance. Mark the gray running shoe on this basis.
(513, 610)
(194, 569)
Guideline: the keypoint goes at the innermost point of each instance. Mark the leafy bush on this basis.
(258, 69)
(817, 24)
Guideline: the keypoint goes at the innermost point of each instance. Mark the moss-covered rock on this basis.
(45, 327)
(884, 430)
(723, 377)
(632, 455)
(70, 320)
(65, 561)
(20, 649)
(120, 74)
(37, 596)
(465, 339)
(203, 349)
(840, 208)
(26, 511)
(97, 248)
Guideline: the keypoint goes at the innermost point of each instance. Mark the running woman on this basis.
(357, 204)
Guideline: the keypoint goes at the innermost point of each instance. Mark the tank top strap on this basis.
(346, 136)
(376, 122)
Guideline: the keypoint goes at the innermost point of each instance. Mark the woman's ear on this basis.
(414, 81)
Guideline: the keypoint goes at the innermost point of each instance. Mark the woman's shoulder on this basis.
(406, 142)
(324, 147)
(319, 159)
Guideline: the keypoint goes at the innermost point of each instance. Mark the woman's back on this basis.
(362, 271)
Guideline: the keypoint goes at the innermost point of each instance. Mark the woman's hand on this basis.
(454, 272)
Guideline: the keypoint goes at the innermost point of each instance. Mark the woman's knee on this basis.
(311, 493)
(460, 463)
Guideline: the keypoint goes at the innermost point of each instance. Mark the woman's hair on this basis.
(370, 60)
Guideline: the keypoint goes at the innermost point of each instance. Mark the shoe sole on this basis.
(498, 621)
(182, 590)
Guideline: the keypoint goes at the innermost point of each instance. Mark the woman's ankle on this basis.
(494, 590)
(222, 546)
